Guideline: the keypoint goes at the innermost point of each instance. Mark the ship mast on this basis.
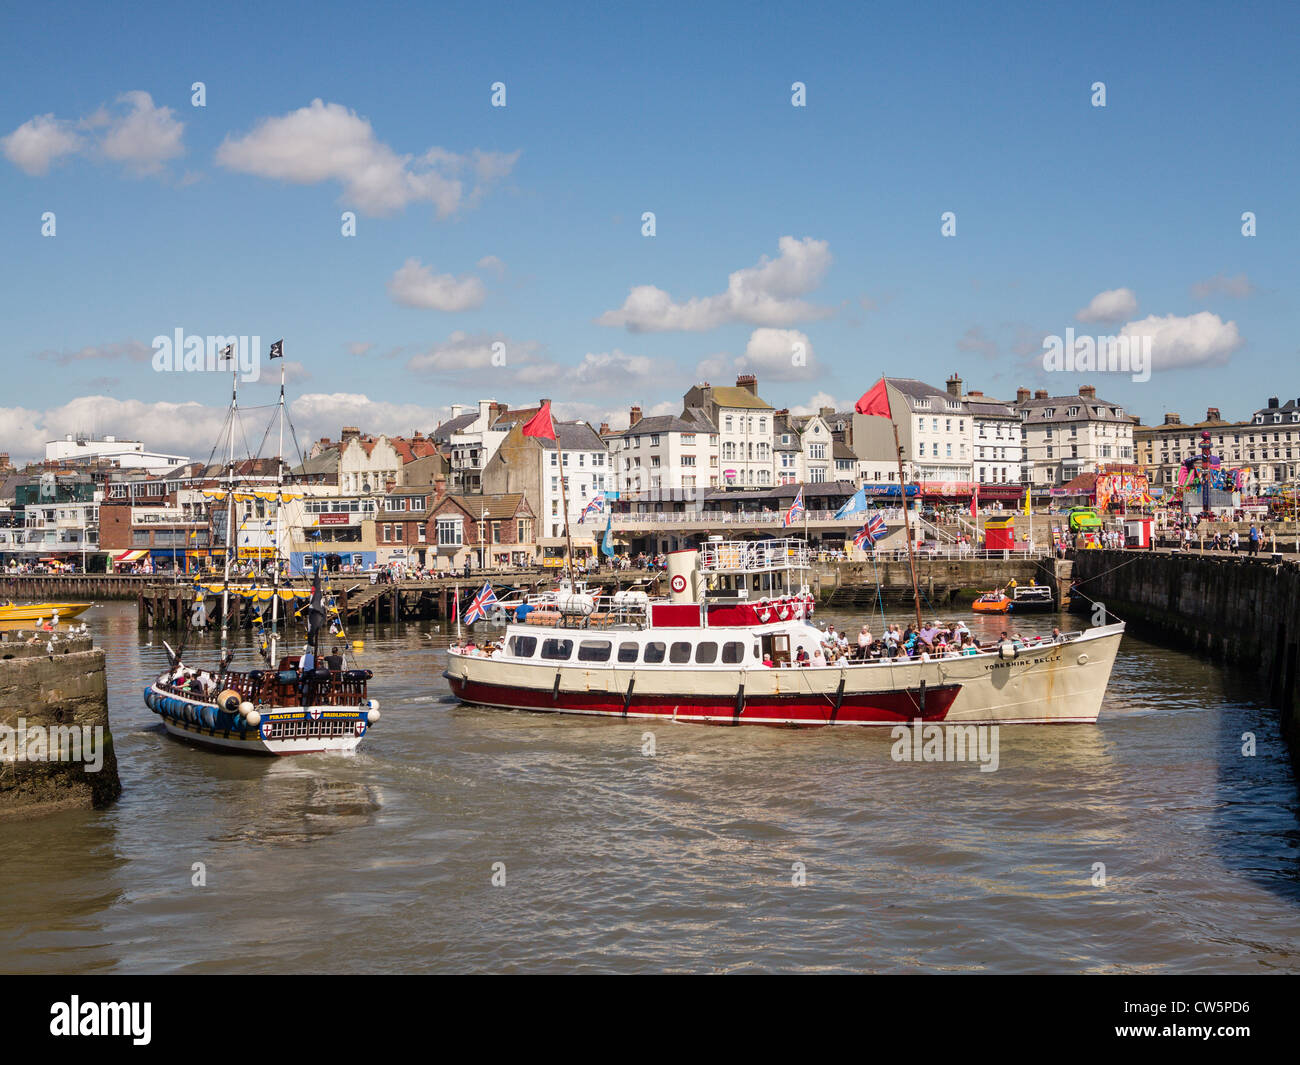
(230, 507)
(275, 550)
(907, 525)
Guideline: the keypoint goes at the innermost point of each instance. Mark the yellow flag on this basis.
(1026, 502)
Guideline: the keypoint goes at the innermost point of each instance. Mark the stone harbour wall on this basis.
(56, 748)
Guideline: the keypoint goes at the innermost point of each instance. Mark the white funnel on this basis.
(681, 575)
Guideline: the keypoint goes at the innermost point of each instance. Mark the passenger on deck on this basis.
(767, 661)
(334, 660)
(802, 657)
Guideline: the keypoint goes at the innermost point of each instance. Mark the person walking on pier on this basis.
(1254, 540)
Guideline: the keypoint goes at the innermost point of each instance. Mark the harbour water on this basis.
(685, 859)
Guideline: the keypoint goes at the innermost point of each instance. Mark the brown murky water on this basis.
(616, 861)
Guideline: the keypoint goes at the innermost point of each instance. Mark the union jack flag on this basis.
(796, 510)
(872, 531)
(596, 505)
(480, 604)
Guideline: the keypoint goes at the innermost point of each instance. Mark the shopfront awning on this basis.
(130, 556)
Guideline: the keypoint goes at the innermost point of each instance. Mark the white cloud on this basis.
(185, 428)
(491, 262)
(358, 347)
(38, 142)
(481, 358)
(416, 285)
(317, 414)
(145, 137)
(766, 294)
(1113, 305)
(142, 137)
(133, 350)
(1238, 287)
(1201, 339)
(770, 354)
(977, 341)
(330, 142)
(817, 402)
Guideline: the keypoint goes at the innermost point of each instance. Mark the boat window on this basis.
(733, 652)
(654, 652)
(680, 653)
(594, 651)
(627, 652)
(557, 649)
(706, 654)
(523, 646)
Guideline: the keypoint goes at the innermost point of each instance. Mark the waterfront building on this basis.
(664, 457)
(1065, 436)
(127, 454)
(745, 424)
(489, 530)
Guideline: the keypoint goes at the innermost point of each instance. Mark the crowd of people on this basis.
(930, 641)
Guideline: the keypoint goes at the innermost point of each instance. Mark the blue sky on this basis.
(170, 216)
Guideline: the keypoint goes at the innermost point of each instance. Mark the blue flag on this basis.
(856, 504)
(607, 541)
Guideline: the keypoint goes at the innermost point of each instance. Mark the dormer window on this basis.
(1072, 412)
(1049, 412)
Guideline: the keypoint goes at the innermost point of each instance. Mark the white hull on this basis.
(1046, 683)
(281, 731)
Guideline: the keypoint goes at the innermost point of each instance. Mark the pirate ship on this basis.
(285, 703)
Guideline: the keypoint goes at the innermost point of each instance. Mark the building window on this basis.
(450, 532)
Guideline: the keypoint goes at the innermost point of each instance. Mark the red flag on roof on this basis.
(540, 424)
(875, 401)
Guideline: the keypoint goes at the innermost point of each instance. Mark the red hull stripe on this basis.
(872, 708)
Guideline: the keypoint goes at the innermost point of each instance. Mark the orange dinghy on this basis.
(992, 603)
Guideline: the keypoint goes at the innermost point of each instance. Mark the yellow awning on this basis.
(245, 495)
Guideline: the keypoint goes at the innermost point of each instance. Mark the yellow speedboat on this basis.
(40, 611)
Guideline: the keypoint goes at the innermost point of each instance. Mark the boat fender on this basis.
(555, 692)
(372, 710)
(245, 708)
(253, 718)
(1083, 660)
(209, 715)
(1007, 649)
(228, 700)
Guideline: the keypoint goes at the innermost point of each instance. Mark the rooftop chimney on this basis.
(976, 393)
(1272, 402)
(827, 412)
(1212, 415)
(439, 487)
(1022, 395)
(954, 386)
(1040, 394)
(633, 416)
(1173, 419)
(349, 432)
(604, 428)
(1088, 391)
(457, 409)
(748, 382)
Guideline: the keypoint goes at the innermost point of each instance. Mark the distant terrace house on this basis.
(933, 431)
(492, 530)
(745, 424)
(666, 457)
(1065, 436)
(530, 465)
(1268, 443)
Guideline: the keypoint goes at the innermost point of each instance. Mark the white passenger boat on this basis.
(700, 656)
